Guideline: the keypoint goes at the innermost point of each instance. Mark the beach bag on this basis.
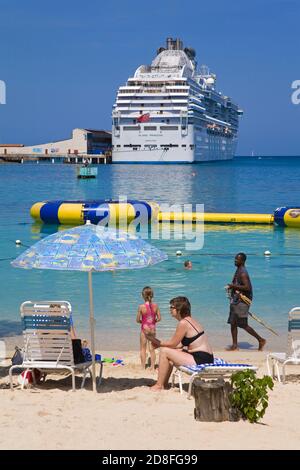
(17, 358)
(77, 351)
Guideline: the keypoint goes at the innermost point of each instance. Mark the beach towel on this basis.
(217, 363)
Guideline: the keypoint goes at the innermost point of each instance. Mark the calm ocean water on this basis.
(243, 185)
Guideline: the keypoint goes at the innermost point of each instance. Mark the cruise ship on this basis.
(171, 112)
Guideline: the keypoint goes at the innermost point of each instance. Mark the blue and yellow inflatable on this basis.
(118, 212)
(287, 216)
(78, 212)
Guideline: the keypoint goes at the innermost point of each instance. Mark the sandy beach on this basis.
(125, 414)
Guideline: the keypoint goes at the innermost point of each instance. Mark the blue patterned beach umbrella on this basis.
(90, 248)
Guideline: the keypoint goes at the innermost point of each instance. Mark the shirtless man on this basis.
(238, 316)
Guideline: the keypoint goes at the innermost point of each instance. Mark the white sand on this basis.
(127, 415)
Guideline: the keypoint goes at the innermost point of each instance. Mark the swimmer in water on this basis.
(188, 264)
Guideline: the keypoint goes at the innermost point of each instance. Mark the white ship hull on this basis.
(154, 156)
(205, 148)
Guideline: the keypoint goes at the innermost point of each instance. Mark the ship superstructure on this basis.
(171, 112)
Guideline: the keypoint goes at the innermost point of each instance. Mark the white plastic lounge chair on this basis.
(219, 368)
(47, 340)
(292, 354)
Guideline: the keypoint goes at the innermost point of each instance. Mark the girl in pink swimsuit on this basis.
(148, 315)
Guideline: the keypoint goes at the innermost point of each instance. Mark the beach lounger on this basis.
(292, 354)
(47, 341)
(219, 368)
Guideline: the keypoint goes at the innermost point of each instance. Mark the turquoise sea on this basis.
(242, 185)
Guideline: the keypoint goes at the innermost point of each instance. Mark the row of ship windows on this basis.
(140, 95)
(152, 106)
(150, 146)
(151, 84)
(150, 128)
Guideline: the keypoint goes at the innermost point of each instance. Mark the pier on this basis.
(68, 159)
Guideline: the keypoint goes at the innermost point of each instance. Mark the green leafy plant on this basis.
(250, 394)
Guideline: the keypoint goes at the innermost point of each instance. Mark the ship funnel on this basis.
(169, 43)
(179, 45)
(174, 44)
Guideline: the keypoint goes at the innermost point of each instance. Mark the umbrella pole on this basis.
(92, 326)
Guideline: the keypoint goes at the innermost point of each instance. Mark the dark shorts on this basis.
(238, 315)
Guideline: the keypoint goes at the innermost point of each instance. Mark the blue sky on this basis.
(63, 61)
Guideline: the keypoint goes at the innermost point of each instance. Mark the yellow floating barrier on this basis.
(216, 218)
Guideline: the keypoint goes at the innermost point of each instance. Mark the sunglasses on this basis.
(172, 307)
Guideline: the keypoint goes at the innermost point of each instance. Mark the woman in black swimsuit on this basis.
(185, 347)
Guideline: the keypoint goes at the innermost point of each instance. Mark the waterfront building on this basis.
(82, 142)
